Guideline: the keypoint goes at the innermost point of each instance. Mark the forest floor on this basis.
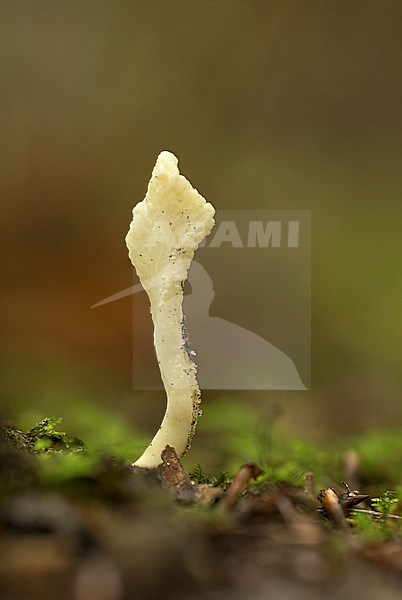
(116, 532)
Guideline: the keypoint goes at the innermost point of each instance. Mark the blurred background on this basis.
(270, 104)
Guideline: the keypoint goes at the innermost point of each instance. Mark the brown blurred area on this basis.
(284, 104)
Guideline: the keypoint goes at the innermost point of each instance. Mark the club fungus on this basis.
(167, 227)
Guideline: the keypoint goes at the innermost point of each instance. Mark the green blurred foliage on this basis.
(373, 531)
(380, 454)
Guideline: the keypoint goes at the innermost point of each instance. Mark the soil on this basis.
(124, 533)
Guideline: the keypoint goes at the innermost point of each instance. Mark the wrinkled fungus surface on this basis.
(167, 228)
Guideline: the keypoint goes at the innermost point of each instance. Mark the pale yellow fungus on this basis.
(167, 228)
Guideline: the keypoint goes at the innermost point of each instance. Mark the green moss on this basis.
(44, 436)
(222, 479)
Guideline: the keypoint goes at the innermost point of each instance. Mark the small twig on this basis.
(173, 477)
(309, 484)
(246, 472)
(333, 508)
(375, 513)
(351, 466)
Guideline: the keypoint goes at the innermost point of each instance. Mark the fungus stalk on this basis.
(167, 228)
